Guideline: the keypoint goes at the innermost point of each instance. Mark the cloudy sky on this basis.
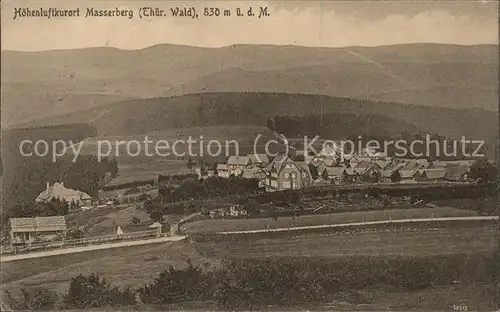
(313, 23)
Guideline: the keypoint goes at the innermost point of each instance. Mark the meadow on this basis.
(133, 266)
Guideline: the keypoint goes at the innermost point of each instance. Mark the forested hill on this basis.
(211, 109)
(66, 81)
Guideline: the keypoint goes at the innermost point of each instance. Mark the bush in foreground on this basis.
(177, 285)
(91, 291)
(254, 283)
(37, 298)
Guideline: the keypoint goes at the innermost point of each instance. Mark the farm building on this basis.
(30, 230)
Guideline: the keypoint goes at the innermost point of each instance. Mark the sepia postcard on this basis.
(250, 155)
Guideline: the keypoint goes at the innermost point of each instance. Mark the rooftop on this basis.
(38, 224)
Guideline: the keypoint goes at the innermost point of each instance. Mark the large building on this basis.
(37, 229)
(58, 191)
(283, 174)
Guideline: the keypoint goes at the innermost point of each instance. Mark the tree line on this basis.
(22, 186)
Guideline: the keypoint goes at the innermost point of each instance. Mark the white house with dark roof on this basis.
(30, 230)
(58, 191)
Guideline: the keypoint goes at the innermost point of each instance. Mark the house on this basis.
(408, 175)
(329, 151)
(283, 173)
(389, 176)
(322, 163)
(137, 194)
(236, 164)
(258, 160)
(351, 176)
(383, 164)
(431, 175)
(334, 174)
(370, 174)
(412, 165)
(255, 173)
(456, 173)
(30, 230)
(353, 161)
(58, 191)
(222, 171)
(367, 168)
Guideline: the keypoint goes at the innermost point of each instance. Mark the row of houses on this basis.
(284, 173)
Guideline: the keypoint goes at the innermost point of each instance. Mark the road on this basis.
(419, 220)
(174, 238)
(90, 248)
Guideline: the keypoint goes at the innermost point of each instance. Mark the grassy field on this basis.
(222, 225)
(134, 266)
(424, 242)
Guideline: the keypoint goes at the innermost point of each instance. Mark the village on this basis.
(283, 172)
(329, 167)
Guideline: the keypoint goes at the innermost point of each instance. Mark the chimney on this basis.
(48, 185)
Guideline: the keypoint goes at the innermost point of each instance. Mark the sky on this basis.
(312, 23)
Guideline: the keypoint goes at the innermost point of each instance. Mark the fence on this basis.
(81, 242)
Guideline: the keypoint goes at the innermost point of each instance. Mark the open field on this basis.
(227, 225)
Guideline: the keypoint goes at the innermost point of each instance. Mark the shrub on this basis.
(37, 298)
(92, 291)
(174, 285)
(135, 220)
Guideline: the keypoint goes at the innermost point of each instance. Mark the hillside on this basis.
(217, 109)
(433, 84)
(65, 81)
